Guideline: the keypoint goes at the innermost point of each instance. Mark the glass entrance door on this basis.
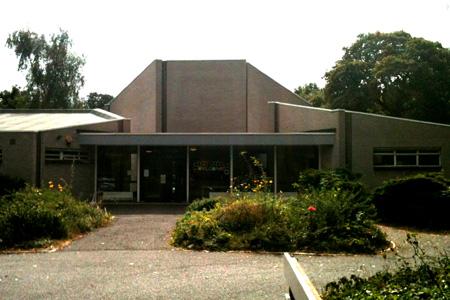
(163, 174)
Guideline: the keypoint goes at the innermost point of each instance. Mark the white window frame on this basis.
(66, 155)
(417, 153)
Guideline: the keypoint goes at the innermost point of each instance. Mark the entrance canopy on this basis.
(207, 139)
(180, 167)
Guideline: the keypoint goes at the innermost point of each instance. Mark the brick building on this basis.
(187, 130)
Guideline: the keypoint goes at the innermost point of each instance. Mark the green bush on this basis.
(327, 179)
(333, 221)
(32, 214)
(197, 230)
(426, 279)
(422, 200)
(10, 184)
(205, 204)
(341, 222)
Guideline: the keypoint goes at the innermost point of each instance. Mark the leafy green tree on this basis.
(312, 93)
(15, 98)
(95, 100)
(53, 72)
(392, 74)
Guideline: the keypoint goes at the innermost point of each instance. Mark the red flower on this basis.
(312, 208)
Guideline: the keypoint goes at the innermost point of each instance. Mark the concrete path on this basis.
(131, 260)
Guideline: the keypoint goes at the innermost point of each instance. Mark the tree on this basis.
(311, 93)
(392, 74)
(15, 98)
(97, 100)
(53, 72)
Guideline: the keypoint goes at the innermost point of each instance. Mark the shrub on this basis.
(10, 184)
(32, 214)
(327, 179)
(334, 221)
(197, 230)
(422, 200)
(205, 203)
(339, 221)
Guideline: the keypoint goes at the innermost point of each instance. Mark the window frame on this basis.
(53, 155)
(396, 153)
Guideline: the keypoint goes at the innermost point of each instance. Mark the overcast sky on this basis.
(293, 42)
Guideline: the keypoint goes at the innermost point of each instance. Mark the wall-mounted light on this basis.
(193, 149)
(69, 139)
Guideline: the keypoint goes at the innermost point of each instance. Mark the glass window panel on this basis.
(291, 160)
(115, 170)
(406, 160)
(429, 160)
(429, 151)
(383, 160)
(163, 174)
(209, 171)
(383, 151)
(245, 173)
(406, 151)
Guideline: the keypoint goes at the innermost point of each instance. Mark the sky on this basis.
(293, 42)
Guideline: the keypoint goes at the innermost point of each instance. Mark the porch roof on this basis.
(208, 139)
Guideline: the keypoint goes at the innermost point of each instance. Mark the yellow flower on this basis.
(51, 186)
(281, 192)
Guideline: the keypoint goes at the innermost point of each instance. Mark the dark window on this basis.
(57, 155)
(407, 158)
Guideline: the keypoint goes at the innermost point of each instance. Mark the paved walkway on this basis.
(131, 260)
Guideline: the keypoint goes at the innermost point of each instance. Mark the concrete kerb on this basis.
(300, 287)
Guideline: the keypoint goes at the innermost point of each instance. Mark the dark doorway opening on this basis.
(163, 174)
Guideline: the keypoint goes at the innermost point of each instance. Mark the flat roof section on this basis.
(16, 120)
(207, 139)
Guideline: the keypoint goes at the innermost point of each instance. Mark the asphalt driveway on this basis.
(131, 260)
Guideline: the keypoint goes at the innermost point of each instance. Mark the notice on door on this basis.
(146, 173)
(163, 178)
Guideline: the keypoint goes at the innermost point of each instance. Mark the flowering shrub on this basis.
(32, 214)
(332, 221)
